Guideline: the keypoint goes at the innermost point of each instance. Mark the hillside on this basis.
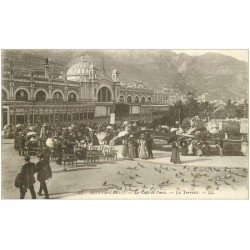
(222, 77)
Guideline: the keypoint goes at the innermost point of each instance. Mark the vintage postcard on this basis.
(124, 124)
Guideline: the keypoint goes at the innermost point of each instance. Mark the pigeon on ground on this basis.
(127, 184)
(105, 183)
(183, 180)
(139, 164)
(156, 169)
(139, 182)
(119, 172)
(216, 183)
(166, 182)
(132, 178)
(130, 168)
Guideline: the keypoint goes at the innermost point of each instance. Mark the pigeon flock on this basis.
(148, 176)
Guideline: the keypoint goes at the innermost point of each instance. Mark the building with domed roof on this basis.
(82, 95)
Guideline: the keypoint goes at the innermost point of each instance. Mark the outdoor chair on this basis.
(68, 159)
(92, 156)
(113, 153)
(109, 154)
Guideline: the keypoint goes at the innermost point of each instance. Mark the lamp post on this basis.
(112, 113)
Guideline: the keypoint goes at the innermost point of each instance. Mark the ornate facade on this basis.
(81, 95)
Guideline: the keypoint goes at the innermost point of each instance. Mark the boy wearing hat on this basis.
(28, 171)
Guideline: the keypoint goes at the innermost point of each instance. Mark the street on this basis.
(196, 177)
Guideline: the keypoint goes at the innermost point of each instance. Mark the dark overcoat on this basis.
(28, 171)
(43, 170)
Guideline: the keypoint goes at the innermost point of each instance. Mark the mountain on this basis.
(222, 77)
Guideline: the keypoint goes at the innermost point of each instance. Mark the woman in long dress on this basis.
(190, 148)
(199, 149)
(175, 157)
(125, 147)
(131, 147)
(143, 149)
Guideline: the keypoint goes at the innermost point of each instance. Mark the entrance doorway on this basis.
(121, 110)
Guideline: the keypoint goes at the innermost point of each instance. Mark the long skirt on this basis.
(125, 150)
(175, 157)
(143, 152)
(131, 151)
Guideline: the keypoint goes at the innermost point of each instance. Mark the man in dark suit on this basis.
(27, 172)
(43, 175)
(21, 143)
(150, 145)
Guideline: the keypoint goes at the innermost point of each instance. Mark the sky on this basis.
(238, 54)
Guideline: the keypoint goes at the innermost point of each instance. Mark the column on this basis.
(12, 97)
(32, 91)
(50, 97)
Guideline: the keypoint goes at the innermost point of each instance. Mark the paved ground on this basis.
(197, 177)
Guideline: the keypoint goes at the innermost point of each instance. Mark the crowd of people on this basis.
(57, 139)
(141, 147)
(193, 147)
(77, 138)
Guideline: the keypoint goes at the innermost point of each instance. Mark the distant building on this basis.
(81, 95)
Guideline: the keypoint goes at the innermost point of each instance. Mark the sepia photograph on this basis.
(124, 124)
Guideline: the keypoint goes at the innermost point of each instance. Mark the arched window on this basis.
(40, 96)
(104, 95)
(136, 99)
(72, 97)
(21, 95)
(149, 99)
(129, 99)
(57, 96)
(4, 95)
(143, 99)
(121, 98)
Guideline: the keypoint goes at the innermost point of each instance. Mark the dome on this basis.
(79, 70)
